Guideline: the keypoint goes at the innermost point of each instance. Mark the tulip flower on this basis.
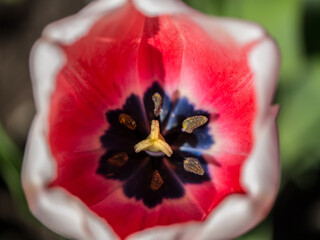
(153, 121)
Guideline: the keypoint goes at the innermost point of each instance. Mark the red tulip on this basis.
(153, 121)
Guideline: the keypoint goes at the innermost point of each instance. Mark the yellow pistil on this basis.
(154, 142)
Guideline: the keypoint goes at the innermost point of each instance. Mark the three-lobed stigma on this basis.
(154, 142)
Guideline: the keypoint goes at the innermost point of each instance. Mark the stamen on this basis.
(156, 181)
(118, 159)
(157, 100)
(128, 121)
(191, 123)
(154, 142)
(192, 165)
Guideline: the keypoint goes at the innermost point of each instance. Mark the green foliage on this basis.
(299, 123)
(10, 166)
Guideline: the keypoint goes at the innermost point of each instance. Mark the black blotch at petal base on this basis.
(137, 173)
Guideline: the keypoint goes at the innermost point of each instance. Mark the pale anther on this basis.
(191, 123)
(192, 165)
(157, 100)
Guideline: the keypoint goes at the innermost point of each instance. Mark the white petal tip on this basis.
(155, 7)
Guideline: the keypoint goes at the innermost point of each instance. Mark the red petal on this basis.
(128, 216)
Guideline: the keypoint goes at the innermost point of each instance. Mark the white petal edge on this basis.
(69, 29)
(56, 208)
(264, 59)
(153, 8)
(242, 31)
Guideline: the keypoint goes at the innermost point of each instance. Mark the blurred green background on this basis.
(295, 24)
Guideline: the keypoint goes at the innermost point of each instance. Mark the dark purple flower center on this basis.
(154, 176)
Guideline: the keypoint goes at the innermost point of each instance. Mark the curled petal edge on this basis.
(55, 207)
(153, 8)
(71, 28)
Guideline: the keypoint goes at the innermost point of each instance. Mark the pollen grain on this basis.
(157, 100)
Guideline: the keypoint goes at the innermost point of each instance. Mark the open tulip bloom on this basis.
(153, 121)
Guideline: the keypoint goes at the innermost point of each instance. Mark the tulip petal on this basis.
(260, 174)
(228, 70)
